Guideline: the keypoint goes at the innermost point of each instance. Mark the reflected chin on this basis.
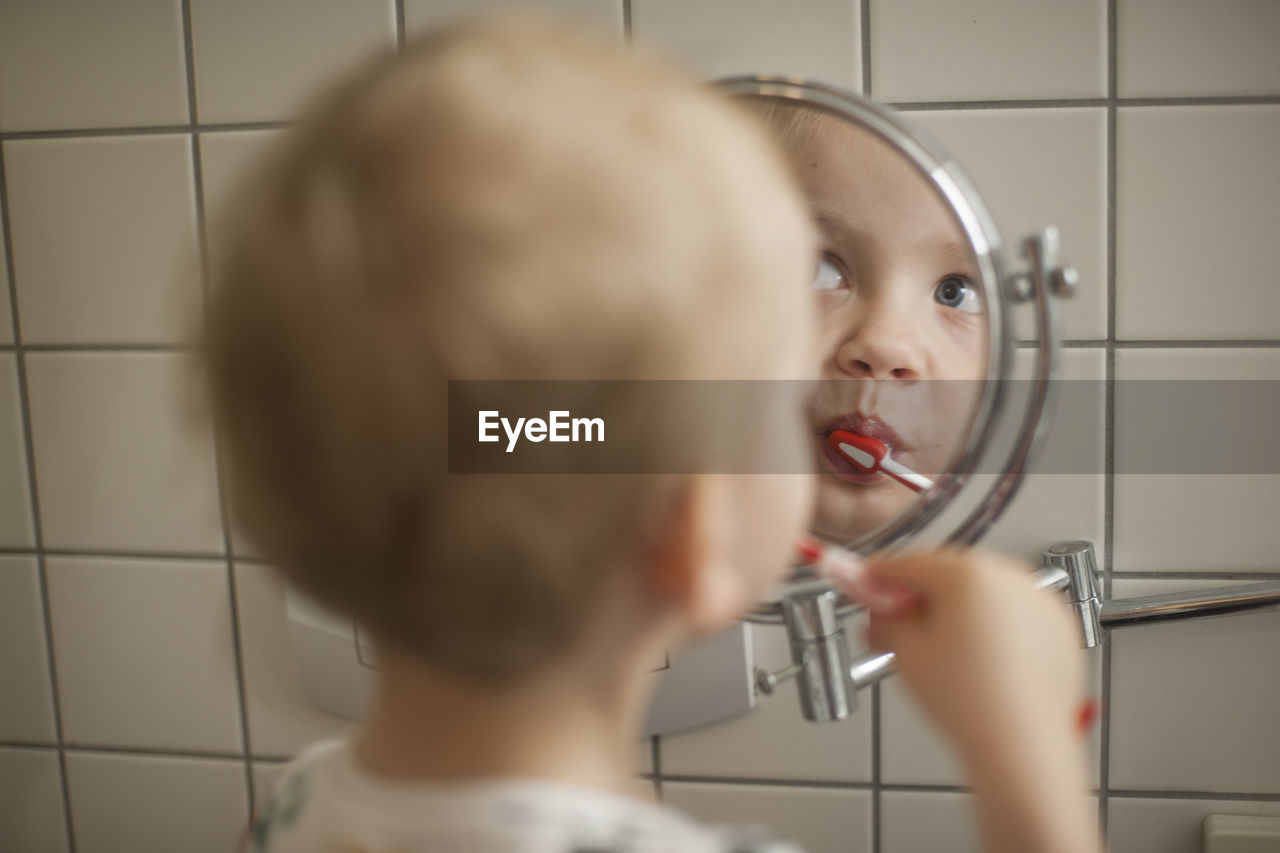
(847, 510)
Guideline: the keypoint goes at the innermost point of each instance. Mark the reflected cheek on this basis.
(967, 355)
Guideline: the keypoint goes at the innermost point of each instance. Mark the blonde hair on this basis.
(513, 199)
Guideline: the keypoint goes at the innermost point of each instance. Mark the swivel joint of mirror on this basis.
(819, 655)
(1047, 273)
(1075, 559)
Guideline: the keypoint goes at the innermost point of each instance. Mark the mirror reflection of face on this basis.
(900, 311)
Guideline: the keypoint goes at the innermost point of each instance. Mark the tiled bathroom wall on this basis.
(148, 690)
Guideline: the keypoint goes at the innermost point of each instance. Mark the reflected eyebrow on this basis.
(835, 228)
(830, 225)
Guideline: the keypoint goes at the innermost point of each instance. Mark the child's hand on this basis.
(991, 658)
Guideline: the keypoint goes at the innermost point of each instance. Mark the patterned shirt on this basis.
(326, 803)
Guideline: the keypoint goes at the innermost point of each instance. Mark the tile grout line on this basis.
(1082, 343)
(1220, 796)
(127, 555)
(1082, 103)
(89, 347)
(1194, 344)
(1108, 544)
(877, 773)
(202, 255)
(1189, 575)
(141, 130)
(626, 21)
(900, 106)
(135, 751)
(877, 834)
(1207, 575)
(33, 494)
(399, 24)
(864, 38)
(693, 779)
(655, 758)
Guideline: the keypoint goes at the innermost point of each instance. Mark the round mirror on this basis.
(915, 430)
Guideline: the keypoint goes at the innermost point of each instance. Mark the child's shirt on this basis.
(326, 803)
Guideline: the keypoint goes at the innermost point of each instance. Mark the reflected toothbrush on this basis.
(872, 455)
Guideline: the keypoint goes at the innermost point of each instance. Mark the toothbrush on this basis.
(850, 572)
(871, 455)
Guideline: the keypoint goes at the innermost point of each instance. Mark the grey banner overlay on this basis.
(1181, 427)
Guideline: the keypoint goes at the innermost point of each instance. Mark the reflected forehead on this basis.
(859, 186)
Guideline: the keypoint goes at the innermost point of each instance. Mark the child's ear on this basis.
(691, 570)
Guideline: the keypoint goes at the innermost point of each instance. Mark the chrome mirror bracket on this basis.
(819, 657)
(1076, 560)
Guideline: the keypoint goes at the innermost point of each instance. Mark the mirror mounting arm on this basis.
(1076, 559)
(828, 680)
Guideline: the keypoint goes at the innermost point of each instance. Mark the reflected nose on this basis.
(884, 344)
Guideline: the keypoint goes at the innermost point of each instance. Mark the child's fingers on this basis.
(941, 571)
(848, 574)
(920, 569)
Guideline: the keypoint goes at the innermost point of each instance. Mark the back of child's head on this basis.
(514, 199)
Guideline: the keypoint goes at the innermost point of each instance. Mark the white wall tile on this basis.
(1191, 522)
(1067, 498)
(16, 530)
(156, 805)
(31, 812)
(104, 239)
(262, 61)
(1198, 196)
(281, 721)
(1186, 48)
(918, 821)
(819, 820)
(732, 37)
(27, 713)
(144, 653)
(1169, 826)
(1194, 703)
(121, 460)
(84, 65)
(914, 752)
(774, 741)
(936, 50)
(226, 159)
(421, 15)
(1038, 167)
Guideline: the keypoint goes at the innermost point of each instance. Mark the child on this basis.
(520, 200)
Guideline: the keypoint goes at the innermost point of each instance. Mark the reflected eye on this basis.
(828, 276)
(956, 292)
